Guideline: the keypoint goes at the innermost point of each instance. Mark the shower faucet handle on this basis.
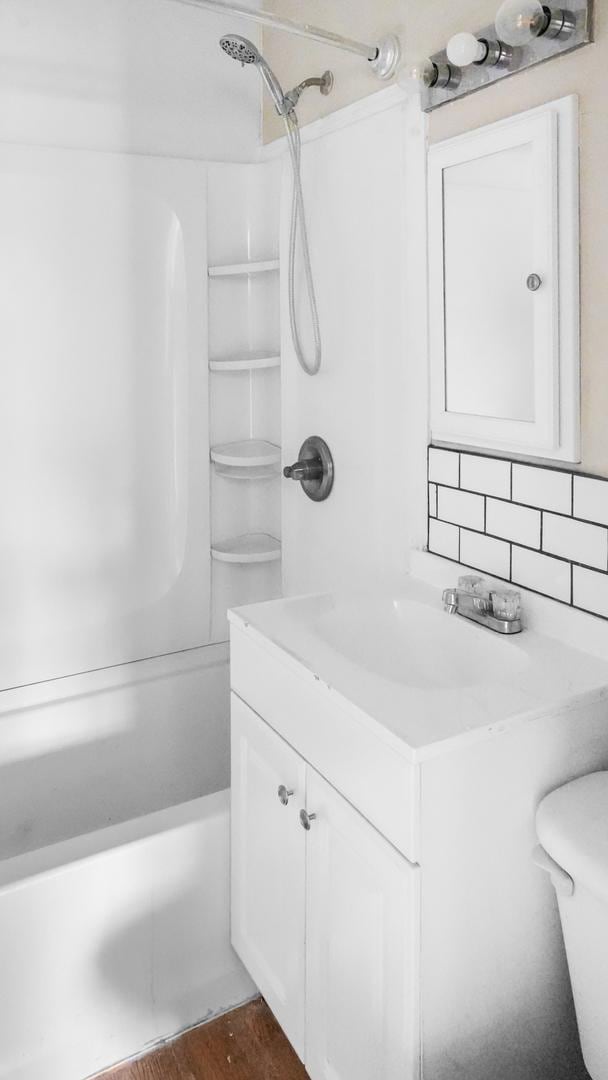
(314, 468)
(306, 469)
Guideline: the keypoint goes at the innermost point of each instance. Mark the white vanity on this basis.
(387, 761)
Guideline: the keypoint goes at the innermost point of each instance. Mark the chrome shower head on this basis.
(240, 48)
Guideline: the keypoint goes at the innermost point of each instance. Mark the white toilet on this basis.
(572, 826)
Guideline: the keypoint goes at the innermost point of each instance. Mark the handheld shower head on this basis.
(243, 50)
(240, 48)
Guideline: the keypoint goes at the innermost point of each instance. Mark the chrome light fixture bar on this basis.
(383, 57)
(526, 33)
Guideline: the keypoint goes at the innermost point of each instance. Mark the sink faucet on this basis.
(498, 609)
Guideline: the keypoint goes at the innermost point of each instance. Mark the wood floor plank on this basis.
(245, 1044)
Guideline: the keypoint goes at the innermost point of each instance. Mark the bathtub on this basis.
(113, 937)
(114, 940)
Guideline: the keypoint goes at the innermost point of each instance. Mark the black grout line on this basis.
(511, 482)
(524, 506)
(528, 588)
(526, 547)
(571, 583)
(526, 463)
(547, 596)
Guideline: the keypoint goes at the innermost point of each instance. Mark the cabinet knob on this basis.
(284, 794)
(534, 282)
(305, 819)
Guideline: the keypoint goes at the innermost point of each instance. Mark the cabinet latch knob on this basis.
(305, 819)
(534, 282)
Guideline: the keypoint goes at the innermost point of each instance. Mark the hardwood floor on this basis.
(246, 1044)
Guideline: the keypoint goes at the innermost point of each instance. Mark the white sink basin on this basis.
(416, 646)
(422, 676)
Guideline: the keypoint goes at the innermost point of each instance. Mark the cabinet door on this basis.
(516, 181)
(268, 866)
(362, 947)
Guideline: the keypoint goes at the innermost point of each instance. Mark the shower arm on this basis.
(383, 57)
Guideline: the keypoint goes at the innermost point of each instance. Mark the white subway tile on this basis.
(433, 500)
(444, 466)
(460, 507)
(541, 573)
(546, 488)
(591, 499)
(490, 476)
(590, 591)
(512, 522)
(443, 539)
(576, 540)
(485, 553)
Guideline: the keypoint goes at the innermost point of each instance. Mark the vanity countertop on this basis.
(424, 680)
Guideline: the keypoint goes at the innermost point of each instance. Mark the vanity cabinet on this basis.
(407, 935)
(324, 916)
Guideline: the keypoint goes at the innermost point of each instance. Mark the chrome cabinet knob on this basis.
(534, 282)
(284, 794)
(305, 819)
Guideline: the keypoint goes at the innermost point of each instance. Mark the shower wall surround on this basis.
(357, 165)
(539, 527)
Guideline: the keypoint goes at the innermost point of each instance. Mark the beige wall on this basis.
(428, 25)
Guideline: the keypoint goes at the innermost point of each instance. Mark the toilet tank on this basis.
(572, 826)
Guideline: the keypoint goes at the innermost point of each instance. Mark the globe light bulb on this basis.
(423, 72)
(464, 49)
(518, 22)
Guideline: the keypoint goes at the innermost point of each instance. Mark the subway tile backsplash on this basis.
(545, 529)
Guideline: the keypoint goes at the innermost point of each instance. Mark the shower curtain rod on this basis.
(383, 56)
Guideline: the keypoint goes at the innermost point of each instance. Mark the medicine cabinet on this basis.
(504, 285)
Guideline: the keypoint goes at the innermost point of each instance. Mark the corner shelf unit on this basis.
(244, 378)
(246, 454)
(249, 548)
(253, 361)
(263, 266)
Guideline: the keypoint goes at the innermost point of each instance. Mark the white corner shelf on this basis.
(235, 472)
(265, 358)
(235, 269)
(246, 454)
(249, 548)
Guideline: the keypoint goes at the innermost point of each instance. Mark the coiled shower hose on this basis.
(298, 219)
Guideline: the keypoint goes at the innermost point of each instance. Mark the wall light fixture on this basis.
(429, 74)
(521, 21)
(526, 32)
(464, 49)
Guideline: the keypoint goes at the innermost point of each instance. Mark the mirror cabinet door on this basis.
(503, 262)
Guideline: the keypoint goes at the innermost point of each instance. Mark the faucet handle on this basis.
(472, 583)
(506, 604)
(306, 469)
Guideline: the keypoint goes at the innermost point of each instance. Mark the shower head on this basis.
(242, 49)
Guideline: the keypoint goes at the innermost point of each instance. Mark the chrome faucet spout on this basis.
(450, 601)
(498, 610)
